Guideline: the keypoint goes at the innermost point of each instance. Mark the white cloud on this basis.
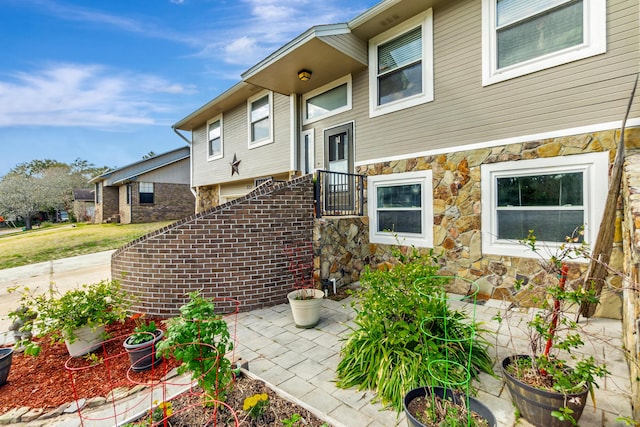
(82, 96)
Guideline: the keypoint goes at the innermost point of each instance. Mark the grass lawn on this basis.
(64, 241)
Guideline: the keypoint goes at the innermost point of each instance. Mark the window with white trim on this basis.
(214, 139)
(523, 36)
(327, 100)
(146, 192)
(400, 205)
(551, 196)
(260, 120)
(401, 66)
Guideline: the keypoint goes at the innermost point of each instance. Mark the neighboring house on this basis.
(83, 205)
(153, 189)
(474, 121)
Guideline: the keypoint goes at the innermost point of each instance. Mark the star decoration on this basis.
(235, 165)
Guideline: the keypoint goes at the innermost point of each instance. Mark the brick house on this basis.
(473, 121)
(153, 189)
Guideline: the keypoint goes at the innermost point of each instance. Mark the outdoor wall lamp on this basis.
(304, 75)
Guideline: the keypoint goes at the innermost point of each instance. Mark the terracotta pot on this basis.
(536, 404)
(306, 312)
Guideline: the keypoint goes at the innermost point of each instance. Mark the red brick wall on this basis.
(231, 251)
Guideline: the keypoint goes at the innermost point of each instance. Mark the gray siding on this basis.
(586, 92)
(261, 161)
(175, 173)
(350, 45)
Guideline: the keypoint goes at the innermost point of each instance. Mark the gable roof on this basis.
(82, 194)
(131, 171)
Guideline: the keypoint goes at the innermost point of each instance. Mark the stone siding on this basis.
(631, 286)
(233, 251)
(207, 197)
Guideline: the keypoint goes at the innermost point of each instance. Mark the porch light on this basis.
(304, 75)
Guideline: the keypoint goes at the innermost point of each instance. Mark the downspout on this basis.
(190, 163)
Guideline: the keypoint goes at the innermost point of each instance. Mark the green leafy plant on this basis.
(143, 332)
(91, 305)
(554, 335)
(444, 412)
(390, 347)
(256, 405)
(200, 338)
(296, 420)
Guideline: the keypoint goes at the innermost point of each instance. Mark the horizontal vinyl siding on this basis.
(175, 173)
(586, 92)
(348, 44)
(261, 161)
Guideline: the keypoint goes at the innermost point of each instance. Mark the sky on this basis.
(104, 80)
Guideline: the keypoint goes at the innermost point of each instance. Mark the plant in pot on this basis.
(305, 300)
(141, 344)
(6, 357)
(391, 348)
(550, 383)
(78, 316)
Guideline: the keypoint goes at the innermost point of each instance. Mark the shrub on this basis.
(393, 342)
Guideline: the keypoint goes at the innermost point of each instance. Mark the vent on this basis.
(259, 181)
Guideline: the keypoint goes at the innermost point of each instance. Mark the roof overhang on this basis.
(231, 98)
(386, 15)
(327, 51)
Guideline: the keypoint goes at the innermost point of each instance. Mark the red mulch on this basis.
(44, 382)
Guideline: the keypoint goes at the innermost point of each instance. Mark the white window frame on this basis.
(595, 167)
(334, 84)
(209, 155)
(250, 101)
(425, 20)
(595, 43)
(146, 185)
(424, 178)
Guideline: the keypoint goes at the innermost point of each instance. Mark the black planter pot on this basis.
(143, 356)
(536, 405)
(474, 404)
(6, 356)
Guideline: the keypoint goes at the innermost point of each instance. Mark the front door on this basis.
(339, 190)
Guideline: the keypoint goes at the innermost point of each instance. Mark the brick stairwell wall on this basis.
(231, 251)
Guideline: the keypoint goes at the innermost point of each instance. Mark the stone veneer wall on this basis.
(207, 197)
(457, 211)
(631, 288)
(231, 251)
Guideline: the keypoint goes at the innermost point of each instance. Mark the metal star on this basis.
(235, 165)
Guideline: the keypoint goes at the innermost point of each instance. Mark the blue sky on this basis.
(104, 80)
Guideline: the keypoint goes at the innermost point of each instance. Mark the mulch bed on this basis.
(43, 382)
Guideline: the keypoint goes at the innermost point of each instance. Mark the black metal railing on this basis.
(339, 193)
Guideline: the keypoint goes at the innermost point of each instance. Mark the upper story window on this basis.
(523, 36)
(400, 208)
(551, 196)
(260, 120)
(401, 66)
(146, 192)
(214, 137)
(327, 100)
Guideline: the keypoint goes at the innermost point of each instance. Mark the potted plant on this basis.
(141, 345)
(439, 406)
(305, 300)
(78, 317)
(6, 357)
(550, 383)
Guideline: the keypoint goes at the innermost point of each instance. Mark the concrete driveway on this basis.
(63, 274)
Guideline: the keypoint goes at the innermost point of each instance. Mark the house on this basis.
(473, 122)
(83, 205)
(153, 189)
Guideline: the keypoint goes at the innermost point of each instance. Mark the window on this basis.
(552, 196)
(260, 120)
(327, 100)
(401, 66)
(214, 138)
(146, 192)
(128, 191)
(524, 36)
(98, 194)
(401, 205)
